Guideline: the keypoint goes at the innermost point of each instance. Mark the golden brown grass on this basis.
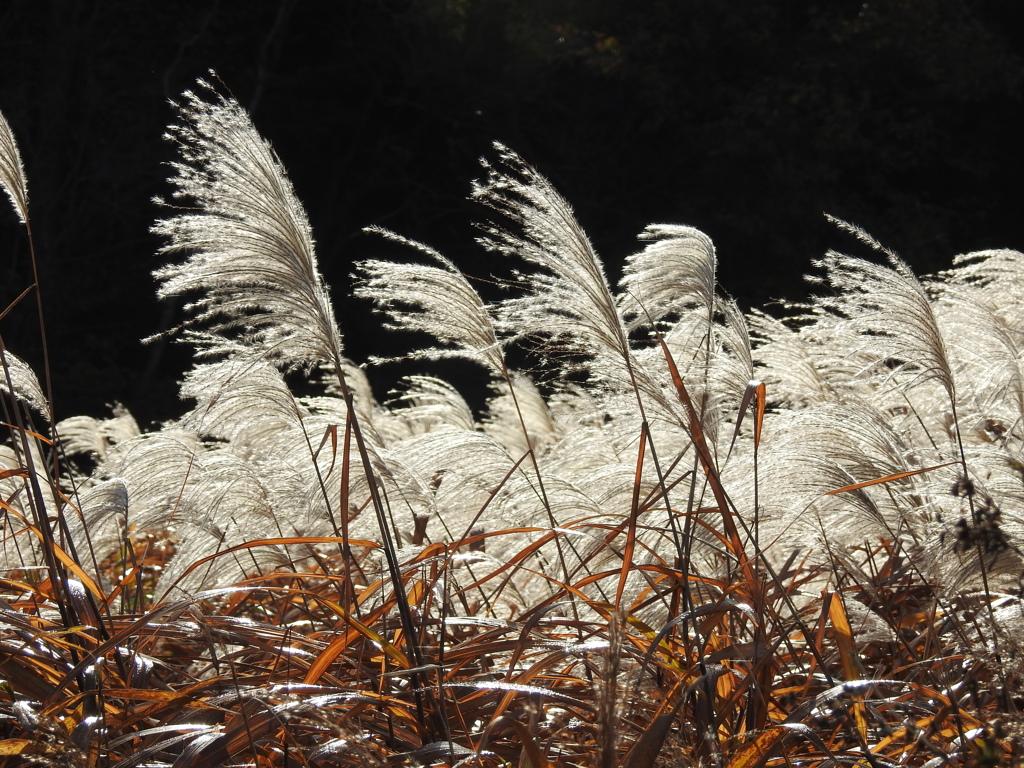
(310, 667)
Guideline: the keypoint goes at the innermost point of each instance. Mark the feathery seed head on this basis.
(888, 312)
(251, 257)
(19, 380)
(676, 271)
(438, 300)
(570, 299)
(12, 172)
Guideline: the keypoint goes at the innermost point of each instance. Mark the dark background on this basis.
(745, 118)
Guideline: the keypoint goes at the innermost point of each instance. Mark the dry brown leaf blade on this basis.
(890, 478)
(754, 754)
(848, 657)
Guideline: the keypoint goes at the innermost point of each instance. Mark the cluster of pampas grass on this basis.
(706, 537)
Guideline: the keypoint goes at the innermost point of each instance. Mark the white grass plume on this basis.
(88, 436)
(12, 171)
(888, 313)
(279, 444)
(152, 471)
(509, 412)
(226, 504)
(733, 359)
(18, 379)
(671, 284)
(984, 293)
(569, 300)
(227, 394)
(438, 300)
(432, 404)
(251, 257)
(998, 273)
(986, 354)
(206, 496)
(20, 545)
(786, 361)
(461, 468)
(675, 272)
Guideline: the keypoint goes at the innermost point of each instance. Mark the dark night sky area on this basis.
(747, 119)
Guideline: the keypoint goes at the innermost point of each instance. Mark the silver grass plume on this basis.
(997, 280)
(12, 172)
(674, 278)
(986, 351)
(462, 468)
(19, 380)
(569, 299)
(251, 259)
(734, 364)
(432, 404)
(785, 360)
(992, 269)
(280, 447)
(437, 300)
(518, 403)
(206, 495)
(228, 392)
(226, 504)
(22, 466)
(154, 471)
(88, 436)
(278, 443)
(675, 272)
(441, 301)
(888, 312)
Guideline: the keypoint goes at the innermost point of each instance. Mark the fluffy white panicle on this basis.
(569, 299)
(251, 263)
(438, 300)
(888, 313)
(19, 546)
(204, 496)
(998, 273)
(228, 393)
(12, 172)
(18, 379)
(139, 487)
(985, 349)
(432, 404)
(507, 415)
(786, 361)
(88, 436)
(675, 272)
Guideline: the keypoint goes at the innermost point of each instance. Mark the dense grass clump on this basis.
(705, 538)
